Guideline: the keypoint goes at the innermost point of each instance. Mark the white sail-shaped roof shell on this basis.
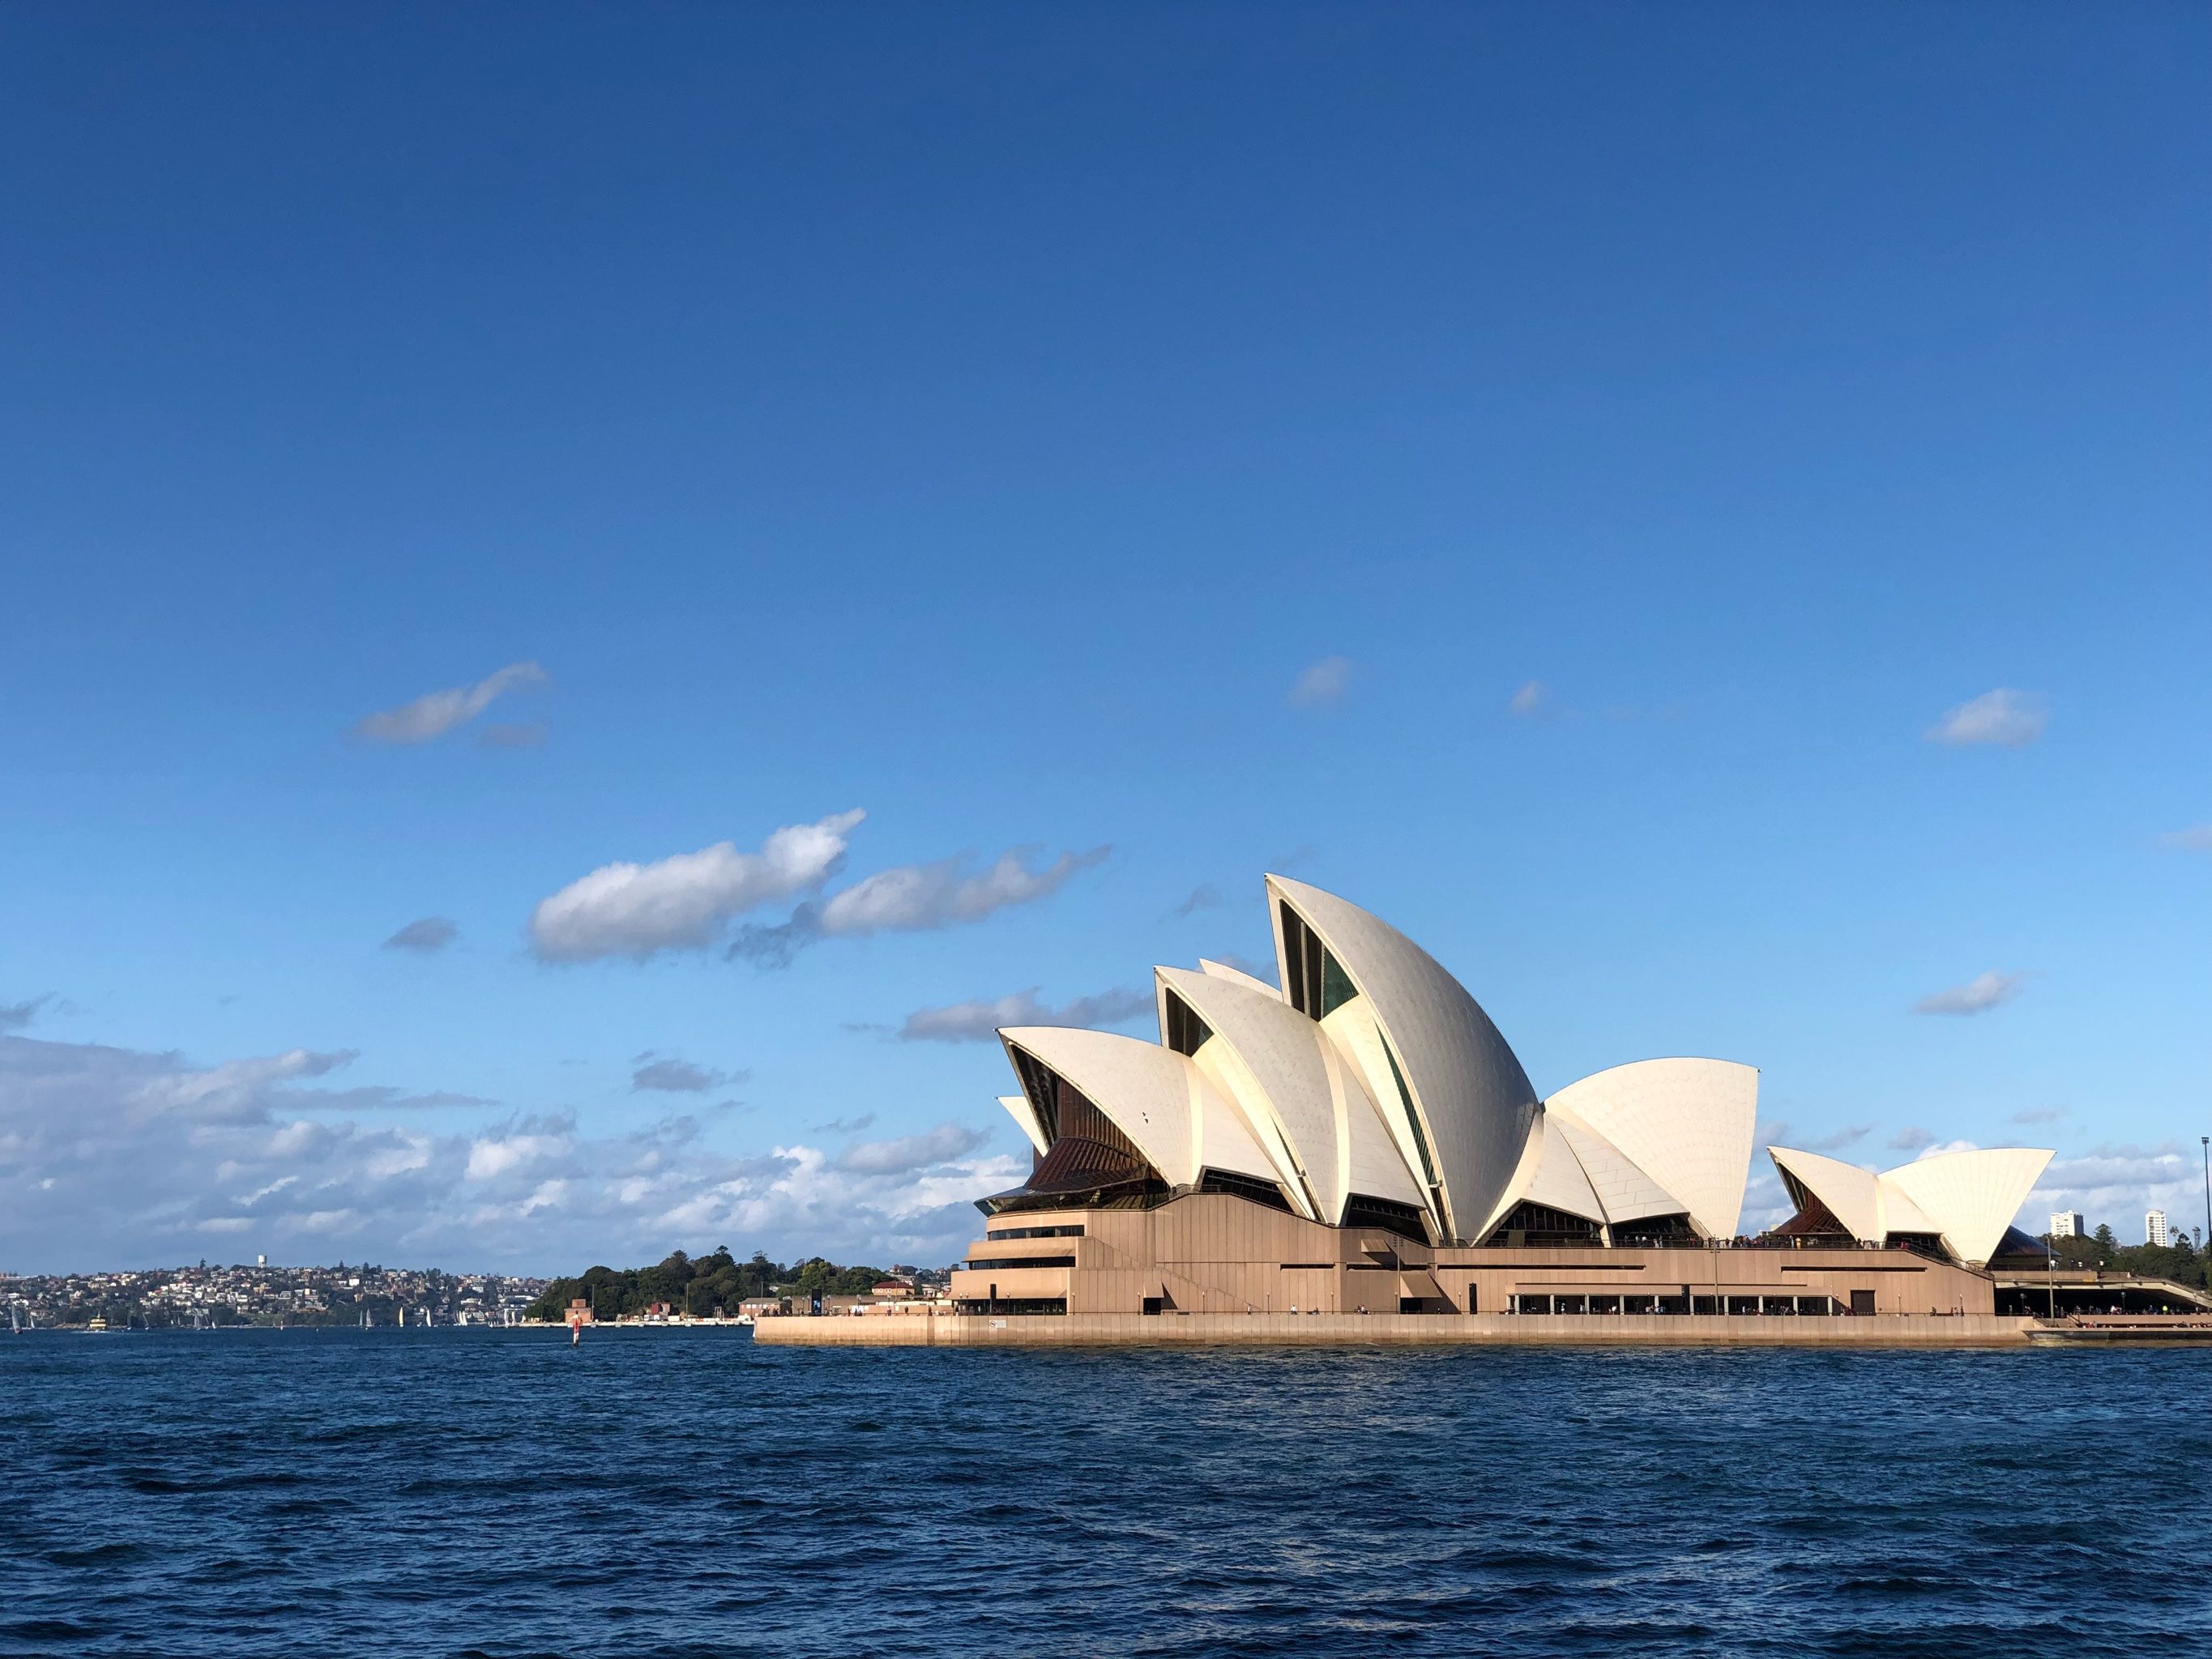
(1473, 1099)
(1557, 1179)
(1153, 1095)
(1299, 1094)
(1851, 1194)
(1238, 976)
(1625, 1191)
(1019, 1107)
(1687, 1124)
(1972, 1197)
(1968, 1199)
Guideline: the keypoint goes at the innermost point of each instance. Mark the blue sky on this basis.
(1644, 427)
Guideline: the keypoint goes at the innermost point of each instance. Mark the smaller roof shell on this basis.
(1968, 1199)
(1971, 1196)
(1154, 1095)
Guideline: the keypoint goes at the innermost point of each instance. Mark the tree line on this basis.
(699, 1286)
(2180, 1261)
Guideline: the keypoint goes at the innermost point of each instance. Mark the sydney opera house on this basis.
(1359, 1136)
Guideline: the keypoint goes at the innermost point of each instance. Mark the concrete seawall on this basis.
(1628, 1330)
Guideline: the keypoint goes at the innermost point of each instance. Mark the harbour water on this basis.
(688, 1493)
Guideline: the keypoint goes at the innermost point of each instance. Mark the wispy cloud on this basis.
(528, 735)
(14, 1016)
(672, 1076)
(2038, 1114)
(1205, 897)
(844, 1126)
(914, 898)
(1910, 1139)
(1779, 1132)
(1322, 682)
(432, 715)
(424, 935)
(1976, 996)
(1835, 1139)
(978, 1021)
(1530, 700)
(2197, 838)
(2008, 718)
(685, 901)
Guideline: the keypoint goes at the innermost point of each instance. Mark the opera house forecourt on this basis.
(1355, 1153)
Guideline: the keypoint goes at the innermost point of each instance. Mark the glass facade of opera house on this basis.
(1359, 1136)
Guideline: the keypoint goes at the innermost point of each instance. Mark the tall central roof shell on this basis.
(1305, 1102)
(1457, 1086)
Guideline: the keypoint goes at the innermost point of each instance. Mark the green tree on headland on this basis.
(698, 1284)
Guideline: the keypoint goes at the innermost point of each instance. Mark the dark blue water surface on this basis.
(689, 1494)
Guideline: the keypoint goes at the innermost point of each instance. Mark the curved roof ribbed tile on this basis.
(1559, 1181)
(1305, 1099)
(1972, 1197)
(1154, 1095)
(1851, 1194)
(1475, 1102)
(1687, 1124)
(1627, 1192)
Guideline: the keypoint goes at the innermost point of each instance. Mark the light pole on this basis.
(2050, 1267)
(2205, 1141)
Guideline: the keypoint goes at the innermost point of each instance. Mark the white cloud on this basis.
(916, 897)
(685, 901)
(1324, 682)
(439, 712)
(1910, 1139)
(2197, 838)
(112, 1156)
(1530, 699)
(978, 1021)
(2004, 716)
(2115, 1184)
(912, 898)
(1939, 1148)
(424, 935)
(904, 1154)
(1976, 996)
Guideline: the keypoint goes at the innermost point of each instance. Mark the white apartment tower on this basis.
(2068, 1224)
(2156, 1231)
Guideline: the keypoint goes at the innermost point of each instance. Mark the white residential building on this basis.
(2156, 1231)
(2068, 1224)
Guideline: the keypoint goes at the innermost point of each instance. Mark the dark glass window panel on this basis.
(1186, 1032)
(1386, 1215)
(1413, 1118)
(1008, 1263)
(1336, 985)
(1294, 959)
(1243, 1186)
(1539, 1224)
(1655, 1232)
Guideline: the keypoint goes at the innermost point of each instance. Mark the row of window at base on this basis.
(1861, 1302)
